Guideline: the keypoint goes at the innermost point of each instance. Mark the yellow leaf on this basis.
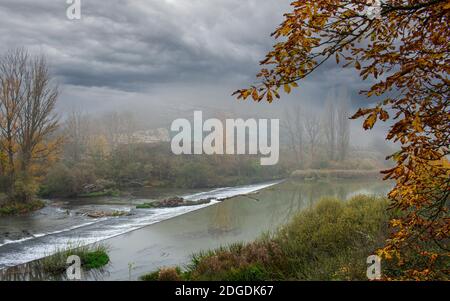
(417, 124)
(370, 121)
(287, 88)
(255, 95)
(269, 96)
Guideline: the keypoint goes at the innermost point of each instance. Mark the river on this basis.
(153, 238)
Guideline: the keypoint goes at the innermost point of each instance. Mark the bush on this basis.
(92, 257)
(252, 272)
(195, 175)
(154, 276)
(333, 240)
(169, 274)
(95, 259)
(13, 208)
(62, 181)
(25, 188)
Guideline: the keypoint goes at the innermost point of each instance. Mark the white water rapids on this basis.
(87, 231)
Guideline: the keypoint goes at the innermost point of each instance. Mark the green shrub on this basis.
(25, 188)
(65, 181)
(253, 272)
(14, 208)
(94, 260)
(92, 257)
(333, 240)
(195, 175)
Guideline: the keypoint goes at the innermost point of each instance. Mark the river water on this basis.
(153, 238)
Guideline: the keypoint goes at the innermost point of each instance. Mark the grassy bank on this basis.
(107, 192)
(328, 242)
(15, 208)
(92, 257)
(314, 174)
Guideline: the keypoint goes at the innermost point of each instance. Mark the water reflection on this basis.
(223, 220)
(268, 209)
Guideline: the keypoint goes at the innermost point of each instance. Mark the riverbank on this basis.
(14, 208)
(315, 174)
(330, 241)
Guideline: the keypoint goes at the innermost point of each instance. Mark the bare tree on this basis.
(127, 126)
(77, 134)
(13, 75)
(111, 127)
(119, 127)
(295, 132)
(37, 120)
(312, 129)
(27, 118)
(343, 125)
(329, 128)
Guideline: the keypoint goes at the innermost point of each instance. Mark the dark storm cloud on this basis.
(125, 44)
(171, 51)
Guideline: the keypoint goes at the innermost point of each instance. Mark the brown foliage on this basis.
(27, 121)
(406, 52)
(169, 274)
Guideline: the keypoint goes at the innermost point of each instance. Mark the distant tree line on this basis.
(101, 153)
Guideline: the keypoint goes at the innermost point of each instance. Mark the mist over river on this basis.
(152, 238)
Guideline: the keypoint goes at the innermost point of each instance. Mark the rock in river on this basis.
(173, 202)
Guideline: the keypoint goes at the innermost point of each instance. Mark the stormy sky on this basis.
(148, 54)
